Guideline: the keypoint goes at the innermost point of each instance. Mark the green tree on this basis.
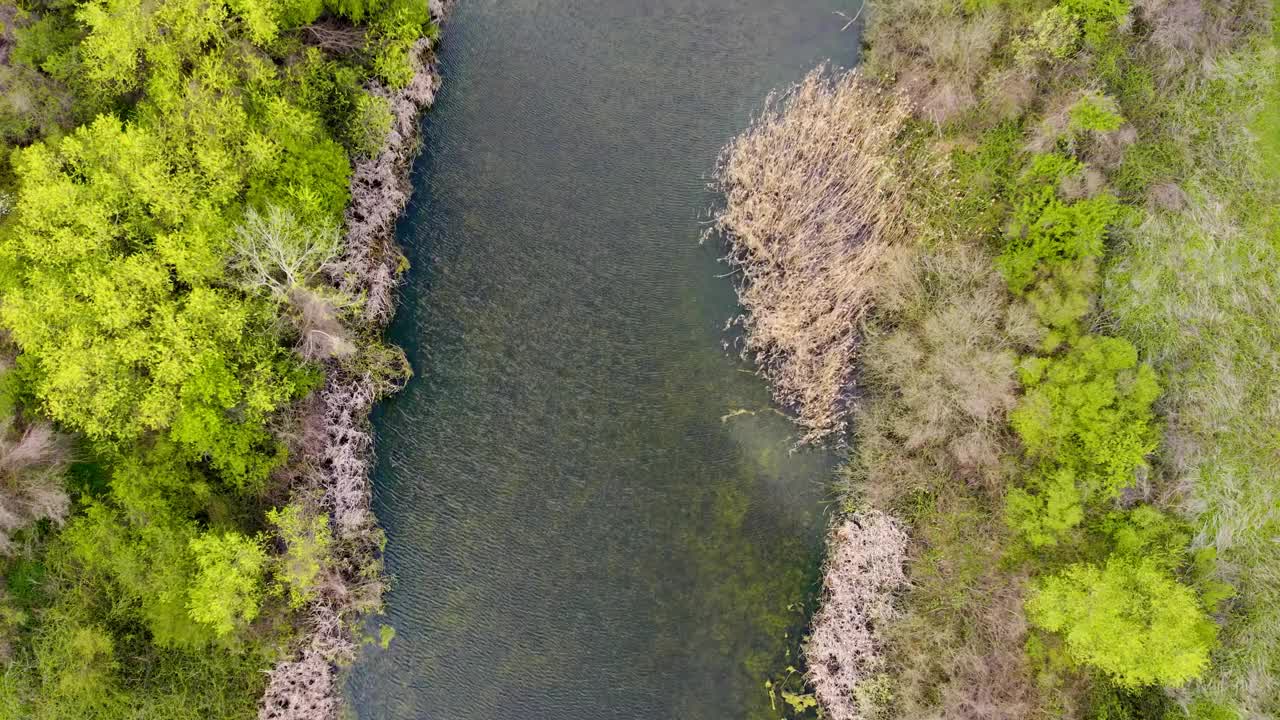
(229, 587)
(1128, 619)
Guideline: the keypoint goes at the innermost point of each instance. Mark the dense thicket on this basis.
(171, 202)
(1066, 367)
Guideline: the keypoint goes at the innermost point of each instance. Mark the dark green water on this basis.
(582, 521)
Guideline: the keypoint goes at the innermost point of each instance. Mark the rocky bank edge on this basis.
(333, 448)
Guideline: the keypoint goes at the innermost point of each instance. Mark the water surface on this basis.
(591, 507)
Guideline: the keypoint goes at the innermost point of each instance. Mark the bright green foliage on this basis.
(1095, 113)
(386, 634)
(149, 136)
(110, 303)
(393, 34)
(307, 542)
(119, 32)
(1099, 18)
(1145, 532)
(1046, 231)
(1086, 422)
(370, 124)
(1062, 299)
(1089, 410)
(77, 663)
(1055, 507)
(149, 566)
(229, 587)
(1054, 36)
(1129, 619)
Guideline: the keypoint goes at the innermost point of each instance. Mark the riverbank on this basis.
(196, 238)
(1035, 400)
(332, 477)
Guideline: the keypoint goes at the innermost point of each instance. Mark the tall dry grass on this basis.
(32, 462)
(814, 200)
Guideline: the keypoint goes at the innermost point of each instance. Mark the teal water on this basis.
(592, 509)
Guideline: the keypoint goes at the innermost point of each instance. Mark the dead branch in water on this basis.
(813, 201)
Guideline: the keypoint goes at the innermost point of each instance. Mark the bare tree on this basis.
(277, 253)
(281, 256)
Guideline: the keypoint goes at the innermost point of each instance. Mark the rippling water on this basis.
(591, 507)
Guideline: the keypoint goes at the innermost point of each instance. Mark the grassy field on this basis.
(1195, 286)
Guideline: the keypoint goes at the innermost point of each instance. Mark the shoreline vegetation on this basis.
(197, 262)
(1023, 263)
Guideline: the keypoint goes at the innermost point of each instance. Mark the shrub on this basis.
(1045, 231)
(370, 124)
(946, 368)
(1095, 113)
(1099, 18)
(1054, 506)
(307, 544)
(1087, 426)
(1129, 619)
(1053, 36)
(1090, 410)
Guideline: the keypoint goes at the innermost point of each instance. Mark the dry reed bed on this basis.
(813, 201)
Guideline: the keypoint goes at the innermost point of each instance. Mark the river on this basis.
(591, 507)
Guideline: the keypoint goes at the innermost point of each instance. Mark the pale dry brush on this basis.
(370, 264)
(33, 460)
(302, 689)
(813, 200)
(863, 575)
(934, 53)
(940, 366)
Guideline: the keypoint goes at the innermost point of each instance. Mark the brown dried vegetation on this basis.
(863, 576)
(32, 461)
(814, 201)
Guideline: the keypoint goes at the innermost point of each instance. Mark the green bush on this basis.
(370, 124)
(229, 584)
(1045, 231)
(307, 544)
(1095, 113)
(1090, 411)
(1128, 619)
